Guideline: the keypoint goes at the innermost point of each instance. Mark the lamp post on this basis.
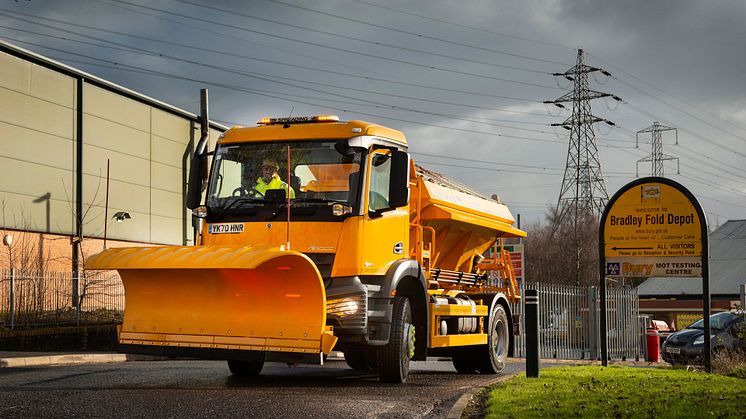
(8, 241)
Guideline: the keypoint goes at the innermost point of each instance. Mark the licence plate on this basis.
(673, 350)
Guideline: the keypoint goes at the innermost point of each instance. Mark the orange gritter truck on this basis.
(355, 249)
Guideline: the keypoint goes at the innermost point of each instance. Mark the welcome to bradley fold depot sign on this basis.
(652, 228)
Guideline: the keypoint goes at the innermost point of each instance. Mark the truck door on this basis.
(386, 227)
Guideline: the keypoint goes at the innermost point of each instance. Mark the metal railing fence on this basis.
(46, 298)
(569, 322)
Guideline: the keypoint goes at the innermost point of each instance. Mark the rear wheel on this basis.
(463, 361)
(245, 368)
(393, 359)
(491, 359)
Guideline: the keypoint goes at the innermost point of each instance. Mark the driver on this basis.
(270, 179)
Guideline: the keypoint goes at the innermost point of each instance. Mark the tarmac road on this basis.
(183, 388)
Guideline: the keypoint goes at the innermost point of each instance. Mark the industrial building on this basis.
(82, 158)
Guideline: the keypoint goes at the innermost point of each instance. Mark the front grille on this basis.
(339, 310)
(323, 262)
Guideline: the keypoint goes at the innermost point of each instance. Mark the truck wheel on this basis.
(393, 359)
(245, 368)
(463, 361)
(360, 360)
(491, 359)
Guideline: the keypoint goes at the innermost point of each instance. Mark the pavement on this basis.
(10, 359)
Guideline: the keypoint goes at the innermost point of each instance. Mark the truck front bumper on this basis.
(359, 313)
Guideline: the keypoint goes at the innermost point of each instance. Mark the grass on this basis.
(619, 392)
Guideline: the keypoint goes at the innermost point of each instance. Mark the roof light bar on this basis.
(298, 120)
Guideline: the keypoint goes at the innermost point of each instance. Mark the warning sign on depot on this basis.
(647, 267)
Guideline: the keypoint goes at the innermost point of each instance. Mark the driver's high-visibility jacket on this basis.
(274, 183)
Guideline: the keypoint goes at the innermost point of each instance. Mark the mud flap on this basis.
(221, 298)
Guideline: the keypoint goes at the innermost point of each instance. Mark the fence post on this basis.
(593, 322)
(12, 298)
(76, 296)
(743, 296)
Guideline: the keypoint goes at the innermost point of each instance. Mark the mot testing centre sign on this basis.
(654, 227)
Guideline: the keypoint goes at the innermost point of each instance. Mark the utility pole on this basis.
(656, 153)
(583, 186)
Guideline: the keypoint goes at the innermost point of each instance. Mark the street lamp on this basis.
(121, 216)
(8, 241)
(118, 217)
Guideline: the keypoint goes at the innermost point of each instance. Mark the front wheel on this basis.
(362, 360)
(393, 359)
(245, 368)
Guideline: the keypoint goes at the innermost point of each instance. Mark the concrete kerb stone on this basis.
(67, 359)
(72, 359)
(458, 408)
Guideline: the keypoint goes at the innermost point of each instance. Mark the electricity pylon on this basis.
(583, 186)
(656, 154)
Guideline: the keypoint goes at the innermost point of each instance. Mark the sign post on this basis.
(654, 226)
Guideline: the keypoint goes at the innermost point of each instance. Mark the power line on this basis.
(127, 67)
(330, 47)
(129, 48)
(304, 85)
(348, 37)
(653, 116)
(414, 34)
(474, 28)
(704, 111)
(681, 110)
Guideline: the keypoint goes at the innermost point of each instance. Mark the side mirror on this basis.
(399, 183)
(196, 175)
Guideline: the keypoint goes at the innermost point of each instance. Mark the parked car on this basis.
(727, 332)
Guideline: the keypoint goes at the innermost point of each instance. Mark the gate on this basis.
(569, 322)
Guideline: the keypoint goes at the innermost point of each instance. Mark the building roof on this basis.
(727, 267)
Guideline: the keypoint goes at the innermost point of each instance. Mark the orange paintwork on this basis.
(228, 297)
(299, 132)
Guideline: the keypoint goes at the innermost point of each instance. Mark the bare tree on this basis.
(569, 256)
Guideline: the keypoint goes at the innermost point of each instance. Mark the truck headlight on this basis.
(346, 306)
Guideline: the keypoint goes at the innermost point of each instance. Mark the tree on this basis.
(567, 254)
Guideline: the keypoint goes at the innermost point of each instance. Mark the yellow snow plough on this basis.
(316, 234)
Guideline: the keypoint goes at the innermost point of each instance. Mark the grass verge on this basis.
(595, 391)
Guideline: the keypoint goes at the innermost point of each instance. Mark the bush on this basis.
(732, 363)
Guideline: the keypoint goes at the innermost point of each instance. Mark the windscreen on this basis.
(252, 175)
(718, 321)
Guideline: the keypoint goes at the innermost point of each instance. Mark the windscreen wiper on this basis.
(284, 204)
(239, 200)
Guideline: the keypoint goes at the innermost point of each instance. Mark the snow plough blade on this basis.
(219, 301)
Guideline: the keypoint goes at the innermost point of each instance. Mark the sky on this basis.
(465, 81)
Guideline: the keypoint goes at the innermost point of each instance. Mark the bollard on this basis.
(532, 333)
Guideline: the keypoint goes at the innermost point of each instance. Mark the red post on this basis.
(654, 346)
